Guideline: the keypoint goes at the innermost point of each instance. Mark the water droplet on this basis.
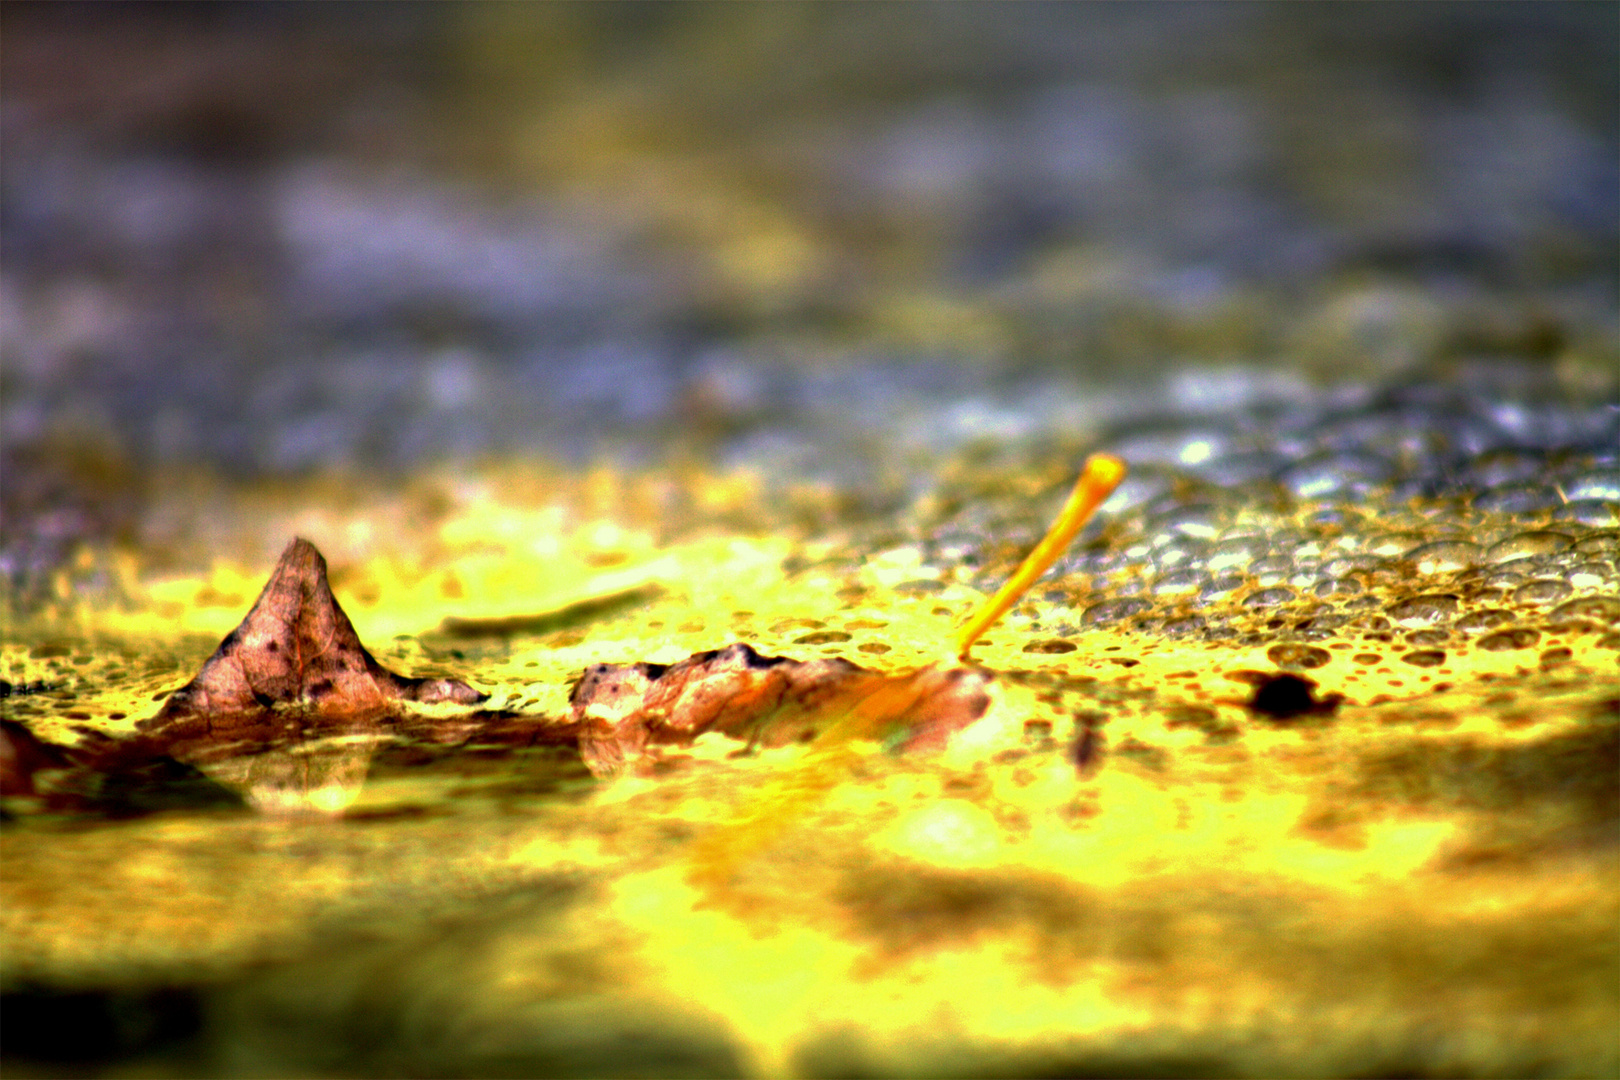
(1496, 467)
(822, 637)
(1425, 610)
(1325, 475)
(1520, 637)
(1393, 545)
(1596, 512)
(1344, 586)
(1179, 552)
(1231, 470)
(1110, 611)
(1526, 544)
(1348, 564)
(1235, 552)
(1180, 582)
(1182, 627)
(1477, 622)
(1598, 542)
(1142, 485)
(1272, 569)
(1598, 484)
(1428, 638)
(1442, 556)
(1518, 498)
(1298, 656)
(1603, 609)
(1196, 520)
(1542, 591)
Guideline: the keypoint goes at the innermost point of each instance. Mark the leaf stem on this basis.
(1098, 479)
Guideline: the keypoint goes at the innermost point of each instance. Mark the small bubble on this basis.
(1542, 591)
(1050, 646)
(1395, 545)
(1299, 548)
(1603, 609)
(1425, 658)
(1180, 582)
(1298, 656)
(1110, 611)
(1331, 587)
(1496, 467)
(1231, 470)
(1325, 475)
(1527, 544)
(1141, 486)
(1596, 512)
(1348, 564)
(1272, 569)
(1424, 610)
(822, 637)
(1269, 597)
(1591, 575)
(1599, 542)
(1223, 587)
(1196, 520)
(1178, 553)
(1445, 555)
(1236, 552)
(1428, 638)
(1478, 622)
(1366, 659)
(1519, 637)
(1598, 484)
(1518, 498)
(1183, 626)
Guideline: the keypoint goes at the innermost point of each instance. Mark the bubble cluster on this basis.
(1422, 533)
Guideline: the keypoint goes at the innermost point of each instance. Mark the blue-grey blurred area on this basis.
(276, 238)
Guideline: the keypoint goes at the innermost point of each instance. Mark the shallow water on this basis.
(595, 335)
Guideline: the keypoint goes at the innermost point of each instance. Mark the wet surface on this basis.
(591, 336)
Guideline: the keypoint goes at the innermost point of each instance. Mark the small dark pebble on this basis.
(1284, 697)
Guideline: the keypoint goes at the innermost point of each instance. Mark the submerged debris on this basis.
(291, 705)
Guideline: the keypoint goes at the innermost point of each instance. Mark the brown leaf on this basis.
(622, 710)
(296, 646)
(22, 754)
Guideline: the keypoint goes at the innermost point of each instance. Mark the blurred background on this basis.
(273, 239)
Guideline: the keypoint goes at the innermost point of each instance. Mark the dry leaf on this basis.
(623, 710)
(296, 646)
